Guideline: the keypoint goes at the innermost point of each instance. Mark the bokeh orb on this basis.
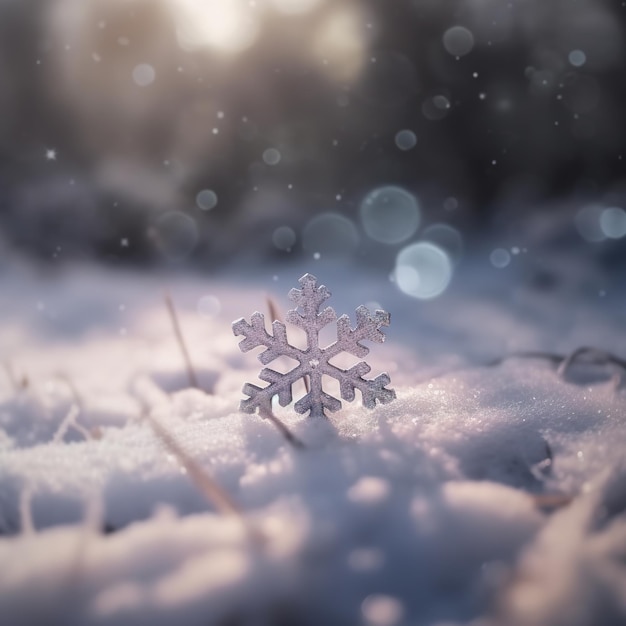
(500, 258)
(447, 238)
(587, 223)
(206, 199)
(176, 235)
(577, 58)
(390, 214)
(271, 156)
(613, 222)
(143, 74)
(423, 270)
(382, 610)
(436, 108)
(209, 306)
(406, 139)
(458, 41)
(330, 234)
(284, 238)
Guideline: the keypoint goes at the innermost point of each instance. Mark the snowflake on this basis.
(314, 361)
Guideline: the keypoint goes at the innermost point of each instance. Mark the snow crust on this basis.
(483, 495)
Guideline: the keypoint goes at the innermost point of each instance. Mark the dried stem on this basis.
(18, 385)
(191, 374)
(69, 421)
(551, 501)
(205, 483)
(282, 428)
(275, 314)
(78, 400)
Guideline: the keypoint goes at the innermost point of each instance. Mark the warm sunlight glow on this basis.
(339, 43)
(228, 26)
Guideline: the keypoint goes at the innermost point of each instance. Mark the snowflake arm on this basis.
(255, 335)
(368, 327)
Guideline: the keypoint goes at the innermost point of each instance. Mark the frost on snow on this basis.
(313, 362)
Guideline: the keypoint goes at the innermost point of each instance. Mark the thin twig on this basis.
(282, 428)
(191, 374)
(78, 399)
(554, 358)
(275, 314)
(26, 510)
(551, 501)
(205, 483)
(69, 421)
(596, 355)
(18, 385)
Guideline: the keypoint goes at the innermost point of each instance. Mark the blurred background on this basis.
(208, 131)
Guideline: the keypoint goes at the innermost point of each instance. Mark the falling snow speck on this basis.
(144, 74)
(271, 156)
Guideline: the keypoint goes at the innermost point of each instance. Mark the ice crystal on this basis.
(314, 361)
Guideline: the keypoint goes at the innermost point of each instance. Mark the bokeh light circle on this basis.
(271, 156)
(390, 214)
(209, 306)
(613, 222)
(405, 139)
(176, 235)
(423, 270)
(587, 223)
(206, 199)
(500, 258)
(447, 238)
(577, 58)
(284, 238)
(436, 108)
(458, 41)
(330, 234)
(143, 74)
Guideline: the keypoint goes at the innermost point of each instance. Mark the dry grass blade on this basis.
(284, 431)
(273, 309)
(78, 400)
(593, 355)
(17, 385)
(205, 483)
(69, 421)
(26, 510)
(275, 314)
(191, 374)
(551, 501)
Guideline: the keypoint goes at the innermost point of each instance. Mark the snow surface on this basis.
(485, 494)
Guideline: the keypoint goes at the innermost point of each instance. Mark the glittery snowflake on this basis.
(313, 362)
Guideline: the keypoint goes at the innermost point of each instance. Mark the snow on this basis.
(485, 494)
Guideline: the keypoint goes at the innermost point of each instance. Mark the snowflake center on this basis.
(314, 363)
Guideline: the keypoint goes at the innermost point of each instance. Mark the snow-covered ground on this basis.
(485, 494)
